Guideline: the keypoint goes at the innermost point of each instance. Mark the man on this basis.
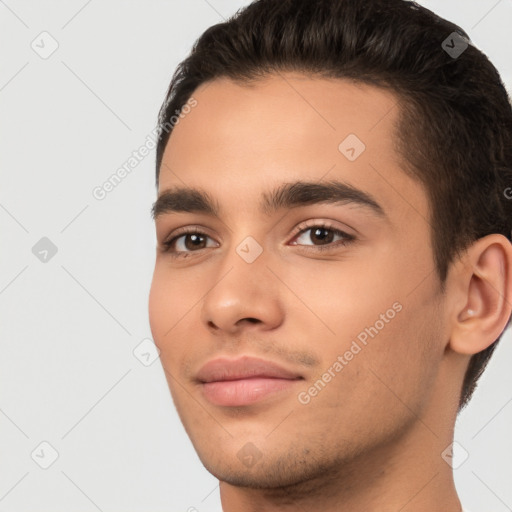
(334, 260)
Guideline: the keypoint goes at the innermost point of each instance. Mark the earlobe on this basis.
(485, 282)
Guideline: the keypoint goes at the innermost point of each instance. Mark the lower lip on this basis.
(235, 393)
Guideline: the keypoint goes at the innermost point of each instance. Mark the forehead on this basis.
(240, 140)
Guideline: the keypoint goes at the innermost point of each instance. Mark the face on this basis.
(332, 280)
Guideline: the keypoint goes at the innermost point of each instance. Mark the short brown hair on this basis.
(455, 128)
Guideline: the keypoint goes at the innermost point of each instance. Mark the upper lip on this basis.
(244, 367)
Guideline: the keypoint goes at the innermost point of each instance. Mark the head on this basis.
(296, 103)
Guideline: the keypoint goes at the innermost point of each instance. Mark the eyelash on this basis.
(168, 244)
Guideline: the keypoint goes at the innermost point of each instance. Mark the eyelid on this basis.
(299, 230)
(190, 229)
(303, 226)
(326, 224)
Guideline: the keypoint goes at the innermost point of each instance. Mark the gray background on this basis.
(69, 325)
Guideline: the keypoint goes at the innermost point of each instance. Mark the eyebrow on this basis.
(286, 196)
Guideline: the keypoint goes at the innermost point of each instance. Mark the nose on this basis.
(243, 296)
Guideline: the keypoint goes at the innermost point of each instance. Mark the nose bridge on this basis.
(246, 254)
(244, 288)
(243, 271)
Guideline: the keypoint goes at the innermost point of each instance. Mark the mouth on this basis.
(244, 381)
(235, 393)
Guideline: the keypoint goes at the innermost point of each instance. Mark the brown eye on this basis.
(322, 237)
(185, 243)
(325, 236)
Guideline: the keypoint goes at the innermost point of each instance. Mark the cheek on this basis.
(159, 306)
(345, 302)
(167, 304)
(388, 338)
(401, 361)
(381, 382)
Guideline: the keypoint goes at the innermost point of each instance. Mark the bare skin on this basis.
(371, 439)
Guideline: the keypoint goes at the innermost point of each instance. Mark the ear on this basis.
(482, 294)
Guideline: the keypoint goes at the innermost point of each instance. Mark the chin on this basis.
(289, 471)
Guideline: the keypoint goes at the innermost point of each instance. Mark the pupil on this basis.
(325, 239)
(195, 239)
